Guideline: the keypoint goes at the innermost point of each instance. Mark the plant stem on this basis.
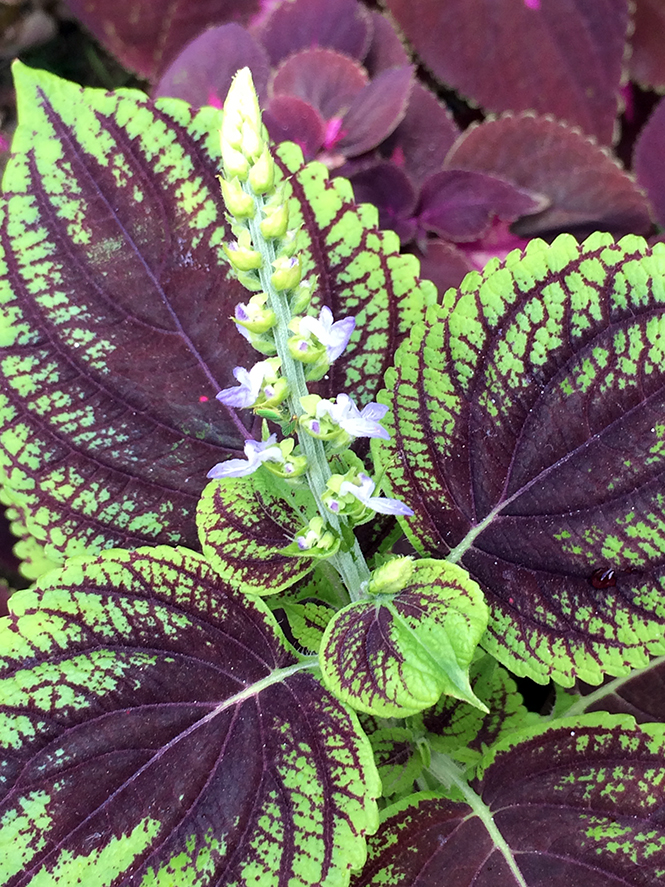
(351, 565)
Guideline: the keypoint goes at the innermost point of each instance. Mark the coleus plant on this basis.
(239, 682)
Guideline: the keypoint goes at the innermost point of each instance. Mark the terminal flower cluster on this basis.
(299, 347)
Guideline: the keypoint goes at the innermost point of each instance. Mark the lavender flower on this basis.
(333, 336)
(346, 414)
(377, 503)
(246, 394)
(256, 452)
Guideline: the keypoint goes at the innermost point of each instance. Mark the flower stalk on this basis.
(301, 348)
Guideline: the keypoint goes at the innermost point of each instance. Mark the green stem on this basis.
(448, 773)
(351, 565)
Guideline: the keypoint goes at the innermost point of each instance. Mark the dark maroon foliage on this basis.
(566, 61)
(334, 77)
(146, 35)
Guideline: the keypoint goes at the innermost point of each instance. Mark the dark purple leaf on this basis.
(586, 188)
(289, 119)
(647, 60)
(421, 141)
(342, 25)
(146, 36)
(648, 161)
(563, 58)
(202, 72)
(158, 729)
(386, 49)
(326, 79)
(376, 111)
(578, 803)
(460, 204)
(388, 188)
(527, 438)
(641, 694)
(442, 263)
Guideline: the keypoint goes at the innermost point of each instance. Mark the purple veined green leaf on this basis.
(159, 730)
(648, 160)
(360, 272)
(309, 605)
(459, 205)
(114, 286)
(244, 522)
(579, 802)
(146, 35)
(33, 560)
(586, 188)
(342, 25)
(116, 298)
(398, 759)
(396, 652)
(564, 59)
(464, 732)
(527, 436)
(201, 74)
(646, 63)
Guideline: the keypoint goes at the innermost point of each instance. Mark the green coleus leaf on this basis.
(359, 271)
(528, 438)
(462, 731)
(412, 639)
(398, 758)
(243, 523)
(579, 802)
(115, 296)
(157, 729)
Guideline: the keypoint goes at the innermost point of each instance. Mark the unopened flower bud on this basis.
(392, 577)
(287, 273)
(262, 173)
(289, 243)
(304, 350)
(238, 202)
(302, 296)
(235, 164)
(242, 258)
(255, 316)
(252, 142)
(276, 221)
